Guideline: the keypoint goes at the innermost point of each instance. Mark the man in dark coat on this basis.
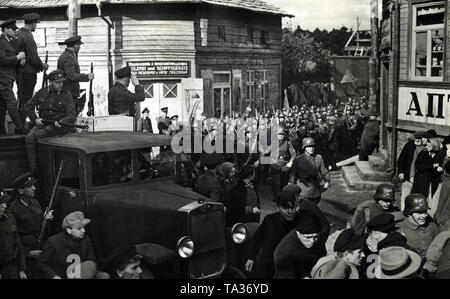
(56, 108)
(12, 258)
(68, 63)
(208, 183)
(120, 99)
(370, 137)
(279, 171)
(32, 65)
(145, 123)
(163, 121)
(63, 253)
(9, 60)
(296, 254)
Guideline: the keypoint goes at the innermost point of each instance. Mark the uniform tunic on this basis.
(12, 258)
(122, 101)
(419, 237)
(68, 62)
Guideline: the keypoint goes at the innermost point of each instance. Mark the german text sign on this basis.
(154, 69)
(424, 105)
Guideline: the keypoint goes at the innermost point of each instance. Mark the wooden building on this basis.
(219, 54)
(414, 71)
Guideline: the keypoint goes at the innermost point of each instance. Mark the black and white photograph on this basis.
(224, 144)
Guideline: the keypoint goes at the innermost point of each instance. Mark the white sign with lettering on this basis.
(424, 105)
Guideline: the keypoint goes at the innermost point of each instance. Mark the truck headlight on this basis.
(185, 247)
(239, 233)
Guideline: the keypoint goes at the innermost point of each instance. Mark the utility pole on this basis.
(374, 61)
(73, 13)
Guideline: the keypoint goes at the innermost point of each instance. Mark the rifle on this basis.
(90, 111)
(44, 78)
(49, 122)
(49, 208)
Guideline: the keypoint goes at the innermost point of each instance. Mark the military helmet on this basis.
(308, 141)
(385, 192)
(415, 203)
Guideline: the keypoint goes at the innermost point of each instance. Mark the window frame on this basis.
(222, 86)
(429, 31)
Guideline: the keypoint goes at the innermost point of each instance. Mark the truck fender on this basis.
(155, 254)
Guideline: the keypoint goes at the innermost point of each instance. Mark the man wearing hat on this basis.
(370, 136)
(398, 262)
(163, 121)
(12, 259)
(124, 263)
(63, 253)
(144, 123)
(297, 253)
(120, 99)
(56, 108)
(406, 167)
(383, 202)
(68, 63)
(330, 268)
(208, 183)
(418, 226)
(9, 60)
(174, 126)
(31, 65)
(309, 172)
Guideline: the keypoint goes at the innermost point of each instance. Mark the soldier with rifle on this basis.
(28, 214)
(56, 107)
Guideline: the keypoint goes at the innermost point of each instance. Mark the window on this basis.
(428, 42)
(170, 90)
(222, 104)
(149, 91)
(221, 33)
(111, 168)
(70, 175)
(257, 89)
(250, 33)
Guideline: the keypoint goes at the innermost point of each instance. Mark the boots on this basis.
(20, 130)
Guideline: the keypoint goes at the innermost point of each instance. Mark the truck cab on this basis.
(132, 198)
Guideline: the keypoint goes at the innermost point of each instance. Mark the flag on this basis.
(286, 102)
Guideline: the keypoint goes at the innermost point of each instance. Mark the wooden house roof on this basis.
(252, 5)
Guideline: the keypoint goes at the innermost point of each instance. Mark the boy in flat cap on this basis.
(56, 108)
(124, 263)
(30, 66)
(9, 60)
(12, 259)
(406, 164)
(68, 63)
(296, 254)
(120, 99)
(63, 253)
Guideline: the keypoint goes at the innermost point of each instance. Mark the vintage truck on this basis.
(132, 199)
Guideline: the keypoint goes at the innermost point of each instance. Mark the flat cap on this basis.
(22, 181)
(123, 72)
(174, 117)
(382, 223)
(119, 258)
(11, 24)
(31, 17)
(430, 134)
(72, 41)
(292, 188)
(348, 240)
(145, 110)
(75, 219)
(286, 199)
(308, 223)
(56, 76)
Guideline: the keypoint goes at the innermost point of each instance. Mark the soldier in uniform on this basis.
(279, 172)
(163, 121)
(32, 64)
(9, 60)
(309, 172)
(12, 259)
(370, 137)
(28, 214)
(56, 108)
(68, 63)
(120, 99)
(145, 123)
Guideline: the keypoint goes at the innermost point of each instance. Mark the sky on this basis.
(325, 14)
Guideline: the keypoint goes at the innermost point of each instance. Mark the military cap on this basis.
(4, 197)
(24, 180)
(419, 134)
(285, 199)
(119, 257)
(292, 188)
(165, 109)
(56, 76)
(348, 240)
(382, 223)
(75, 219)
(174, 117)
(308, 223)
(9, 24)
(145, 110)
(430, 134)
(73, 40)
(123, 72)
(32, 17)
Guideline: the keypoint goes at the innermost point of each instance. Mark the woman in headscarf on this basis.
(428, 170)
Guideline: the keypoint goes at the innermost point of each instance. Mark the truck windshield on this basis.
(156, 162)
(111, 168)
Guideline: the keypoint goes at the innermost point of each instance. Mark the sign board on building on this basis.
(158, 69)
(40, 38)
(424, 105)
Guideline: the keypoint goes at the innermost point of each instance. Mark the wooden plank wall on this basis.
(404, 38)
